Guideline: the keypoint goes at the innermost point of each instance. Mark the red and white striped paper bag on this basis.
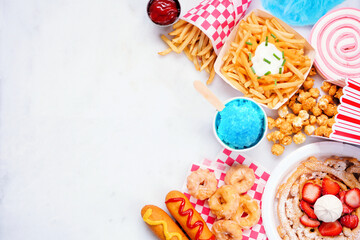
(224, 161)
(347, 121)
(216, 18)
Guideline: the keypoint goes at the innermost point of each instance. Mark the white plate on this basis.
(288, 165)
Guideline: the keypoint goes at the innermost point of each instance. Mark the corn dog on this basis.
(189, 219)
(161, 223)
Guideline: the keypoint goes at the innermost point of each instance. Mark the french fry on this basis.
(295, 70)
(176, 32)
(284, 36)
(285, 45)
(205, 50)
(279, 32)
(282, 85)
(233, 76)
(194, 50)
(167, 51)
(196, 63)
(275, 101)
(205, 43)
(260, 20)
(211, 77)
(241, 44)
(238, 86)
(245, 63)
(259, 100)
(187, 53)
(171, 45)
(277, 25)
(201, 40)
(241, 70)
(179, 24)
(247, 84)
(205, 64)
(254, 18)
(256, 93)
(279, 94)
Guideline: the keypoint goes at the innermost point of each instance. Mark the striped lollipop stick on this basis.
(336, 39)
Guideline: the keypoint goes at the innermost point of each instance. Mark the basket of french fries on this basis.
(276, 71)
(203, 30)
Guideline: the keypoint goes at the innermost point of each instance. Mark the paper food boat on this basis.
(308, 50)
(217, 18)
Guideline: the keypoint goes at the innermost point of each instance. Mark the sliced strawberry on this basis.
(352, 198)
(350, 221)
(346, 208)
(330, 228)
(330, 187)
(307, 208)
(311, 192)
(341, 195)
(308, 222)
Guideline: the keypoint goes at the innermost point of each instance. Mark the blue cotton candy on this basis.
(299, 12)
(241, 124)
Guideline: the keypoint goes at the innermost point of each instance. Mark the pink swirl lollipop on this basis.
(336, 39)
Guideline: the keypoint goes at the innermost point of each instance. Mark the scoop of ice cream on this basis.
(328, 208)
(241, 124)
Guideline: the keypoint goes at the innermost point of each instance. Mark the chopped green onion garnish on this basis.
(266, 40)
(277, 40)
(273, 35)
(267, 73)
(267, 61)
(276, 56)
(280, 70)
(258, 77)
(252, 69)
(283, 62)
(275, 82)
(248, 43)
(283, 54)
(249, 56)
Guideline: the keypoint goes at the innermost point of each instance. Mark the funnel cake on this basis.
(296, 220)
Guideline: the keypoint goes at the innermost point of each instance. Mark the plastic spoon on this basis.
(208, 95)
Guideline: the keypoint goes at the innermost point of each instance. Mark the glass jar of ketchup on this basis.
(163, 12)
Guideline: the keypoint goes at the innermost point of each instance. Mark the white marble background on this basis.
(93, 123)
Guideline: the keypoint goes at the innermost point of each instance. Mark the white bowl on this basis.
(245, 149)
(286, 167)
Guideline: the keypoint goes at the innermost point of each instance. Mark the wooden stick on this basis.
(208, 95)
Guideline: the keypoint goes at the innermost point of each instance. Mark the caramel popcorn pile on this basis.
(304, 112)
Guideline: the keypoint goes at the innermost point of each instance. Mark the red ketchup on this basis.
(163, 12)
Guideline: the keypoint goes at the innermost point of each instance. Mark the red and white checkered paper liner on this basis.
(224, 161)
(347, 124)
(216, 18)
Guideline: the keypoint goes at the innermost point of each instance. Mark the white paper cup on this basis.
(259, 139)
